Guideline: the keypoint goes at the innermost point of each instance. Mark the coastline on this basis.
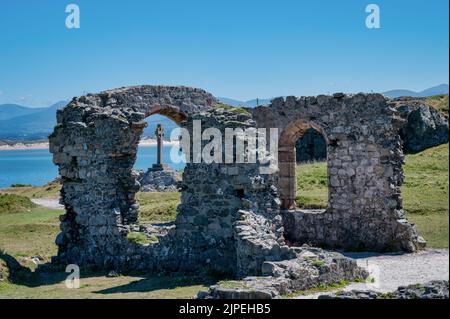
(45, 145)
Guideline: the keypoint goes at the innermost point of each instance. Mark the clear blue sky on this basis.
(236, 49)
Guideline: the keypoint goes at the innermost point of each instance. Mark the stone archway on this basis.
(287, 182)
(364, 168)
(95, 144)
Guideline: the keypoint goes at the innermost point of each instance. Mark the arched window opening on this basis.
(158, 173)
(303, 176)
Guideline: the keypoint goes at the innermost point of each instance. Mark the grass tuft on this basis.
(11, 204)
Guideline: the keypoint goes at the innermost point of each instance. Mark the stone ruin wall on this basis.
(229, 218)
(364, 168)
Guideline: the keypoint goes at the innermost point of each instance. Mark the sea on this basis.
(35, 166)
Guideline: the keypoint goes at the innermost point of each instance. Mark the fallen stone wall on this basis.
(431, 290)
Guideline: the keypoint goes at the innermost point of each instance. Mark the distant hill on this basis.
(8, 111)
(440, 89)
(33, 124)
(436, 90)
(20, 123)
(250, 103)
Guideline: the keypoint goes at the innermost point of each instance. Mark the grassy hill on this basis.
(439, 102)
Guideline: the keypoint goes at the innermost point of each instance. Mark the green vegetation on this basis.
(141, 238)
(21, 185)
(320, 288)
(51, 190)
(11, 203)
(158, 207)
(425, 192)
(52, 286)
(318, 263)
(233, 284)
(28, 230)
(138, 238)
(31, 231)
(238, 110)
(439, 102)
(312, 189)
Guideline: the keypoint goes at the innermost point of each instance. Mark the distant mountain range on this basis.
(435, 90)
(250, 103)
(20, 123)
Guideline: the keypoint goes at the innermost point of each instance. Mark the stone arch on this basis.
(173, 113)
(95, 142)
(287, 181)
(364, 158)
(94, 145)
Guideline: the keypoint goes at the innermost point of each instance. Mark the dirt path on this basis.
(390, 271)
(48, 203)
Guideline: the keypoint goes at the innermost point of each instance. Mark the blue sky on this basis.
(236, 49)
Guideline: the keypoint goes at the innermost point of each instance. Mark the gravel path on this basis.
(391, 271)
(48, 203)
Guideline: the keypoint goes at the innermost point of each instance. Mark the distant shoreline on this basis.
(45, 145)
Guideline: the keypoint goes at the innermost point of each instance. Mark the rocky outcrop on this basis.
(424, 126)
(159, 180)
(431, 290)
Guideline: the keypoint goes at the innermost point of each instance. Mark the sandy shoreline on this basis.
(45, 145)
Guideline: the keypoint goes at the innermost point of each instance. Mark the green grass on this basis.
(158, 207)
(425, 192)
(32, 232)
(312, 191)
(51, 190)
(238, 110)
(141, 238)
(320, 288)
(11, 203)
(28, 230)
(29, 233)
(52, 286)
(318, 263)
(439, 102)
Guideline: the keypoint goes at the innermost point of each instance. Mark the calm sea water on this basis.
(36, 167)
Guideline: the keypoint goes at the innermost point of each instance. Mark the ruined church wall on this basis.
(364, 171)
(229, 219)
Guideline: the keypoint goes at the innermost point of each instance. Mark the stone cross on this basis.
(159, 133)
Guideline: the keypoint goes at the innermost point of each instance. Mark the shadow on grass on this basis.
(154, 282)
(23, 276)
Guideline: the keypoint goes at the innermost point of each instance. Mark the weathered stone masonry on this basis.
(364, 159)
(229, 220)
